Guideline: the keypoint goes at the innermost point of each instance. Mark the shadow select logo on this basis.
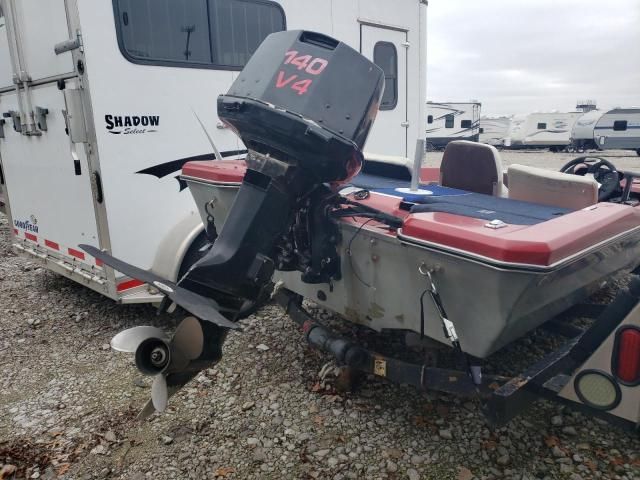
(27, 225)
(131, 124)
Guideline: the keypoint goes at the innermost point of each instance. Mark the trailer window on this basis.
(620, 125)
(542, 126)
(465, 124)
(448, 120)
(481, 130)
(385, 56)
(221, 34)
(430, 119)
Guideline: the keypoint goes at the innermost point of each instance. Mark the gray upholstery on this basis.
(546, 187)
(474, 167)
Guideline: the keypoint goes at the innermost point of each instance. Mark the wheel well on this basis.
(193, 253)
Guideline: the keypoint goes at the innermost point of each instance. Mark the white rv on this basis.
(618, 129)
(542, 130)
(582, 132)
(494, 130)
(104, 101)
(452, 121)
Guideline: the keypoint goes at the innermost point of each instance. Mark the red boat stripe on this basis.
(30, 236)
(128, 284)
(76, 253)
(99, 262)
(51, 244)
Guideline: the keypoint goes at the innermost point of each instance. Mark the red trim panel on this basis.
(543, 244)
(76, 253)
(430, 174)
(99, 262)
(15, 232)
(228, 171)
(30, 236)
(51, 244)
(128, 285)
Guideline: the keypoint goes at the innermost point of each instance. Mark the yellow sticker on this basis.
(380, 367)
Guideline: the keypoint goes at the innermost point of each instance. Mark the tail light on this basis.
(626, 356)
(597, 389)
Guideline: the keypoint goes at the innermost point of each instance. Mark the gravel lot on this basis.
(68, 404)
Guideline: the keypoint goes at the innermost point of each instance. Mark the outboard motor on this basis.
(303, 106)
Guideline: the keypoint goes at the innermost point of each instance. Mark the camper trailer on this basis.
(614, 129)
(582, 132)
(618, 129)
(493, 130)
(542, 130)
(452, 121)
(103, 103)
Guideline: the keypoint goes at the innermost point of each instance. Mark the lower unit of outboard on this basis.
(304, 123)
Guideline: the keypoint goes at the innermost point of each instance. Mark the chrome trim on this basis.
(200, 181)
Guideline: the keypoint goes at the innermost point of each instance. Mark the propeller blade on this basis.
(189, 338)
(205, 308)
(174, 382)
(159, 393)
(128, 340)
(146, 411)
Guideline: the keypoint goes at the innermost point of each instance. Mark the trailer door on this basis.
(47, 176)
(387, 47)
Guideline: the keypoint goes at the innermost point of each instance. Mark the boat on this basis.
(502, 267)
(463, 261)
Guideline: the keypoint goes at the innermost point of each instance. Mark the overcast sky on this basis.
(534, 55)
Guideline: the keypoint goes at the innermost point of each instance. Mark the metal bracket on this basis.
(15, 116)
(68, 45)
(41, 118)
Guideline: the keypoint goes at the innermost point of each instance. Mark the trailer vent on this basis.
(597, 389)
(626, 356)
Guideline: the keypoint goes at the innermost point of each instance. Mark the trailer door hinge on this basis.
(68, 45)
(405, 124)
(15, 117)
(406, 44)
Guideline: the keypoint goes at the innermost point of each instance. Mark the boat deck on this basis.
(491, 229)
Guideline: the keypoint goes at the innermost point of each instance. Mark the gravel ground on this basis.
(68, 404)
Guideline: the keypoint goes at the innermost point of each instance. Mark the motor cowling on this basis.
(307, 100)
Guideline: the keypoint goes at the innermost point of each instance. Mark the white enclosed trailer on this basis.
(103, 102)
(452, 121)
(542, 130)
(493, 130)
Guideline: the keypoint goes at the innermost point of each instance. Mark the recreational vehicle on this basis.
(542, 130)
(582, 132)
(103, 103)
(452, 121)
(618, 128)
(493, 130)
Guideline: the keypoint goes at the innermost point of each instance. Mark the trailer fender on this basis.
(175, 245)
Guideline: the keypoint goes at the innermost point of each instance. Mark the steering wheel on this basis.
(603, 171)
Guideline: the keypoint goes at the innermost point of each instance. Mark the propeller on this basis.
(166, 360)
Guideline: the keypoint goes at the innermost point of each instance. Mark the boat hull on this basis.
(491, 304)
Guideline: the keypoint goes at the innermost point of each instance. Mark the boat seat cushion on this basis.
(471, 166)
(488, 207)
(547, 187)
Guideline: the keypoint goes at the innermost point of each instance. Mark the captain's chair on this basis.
(547, 187)
(474, 167)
